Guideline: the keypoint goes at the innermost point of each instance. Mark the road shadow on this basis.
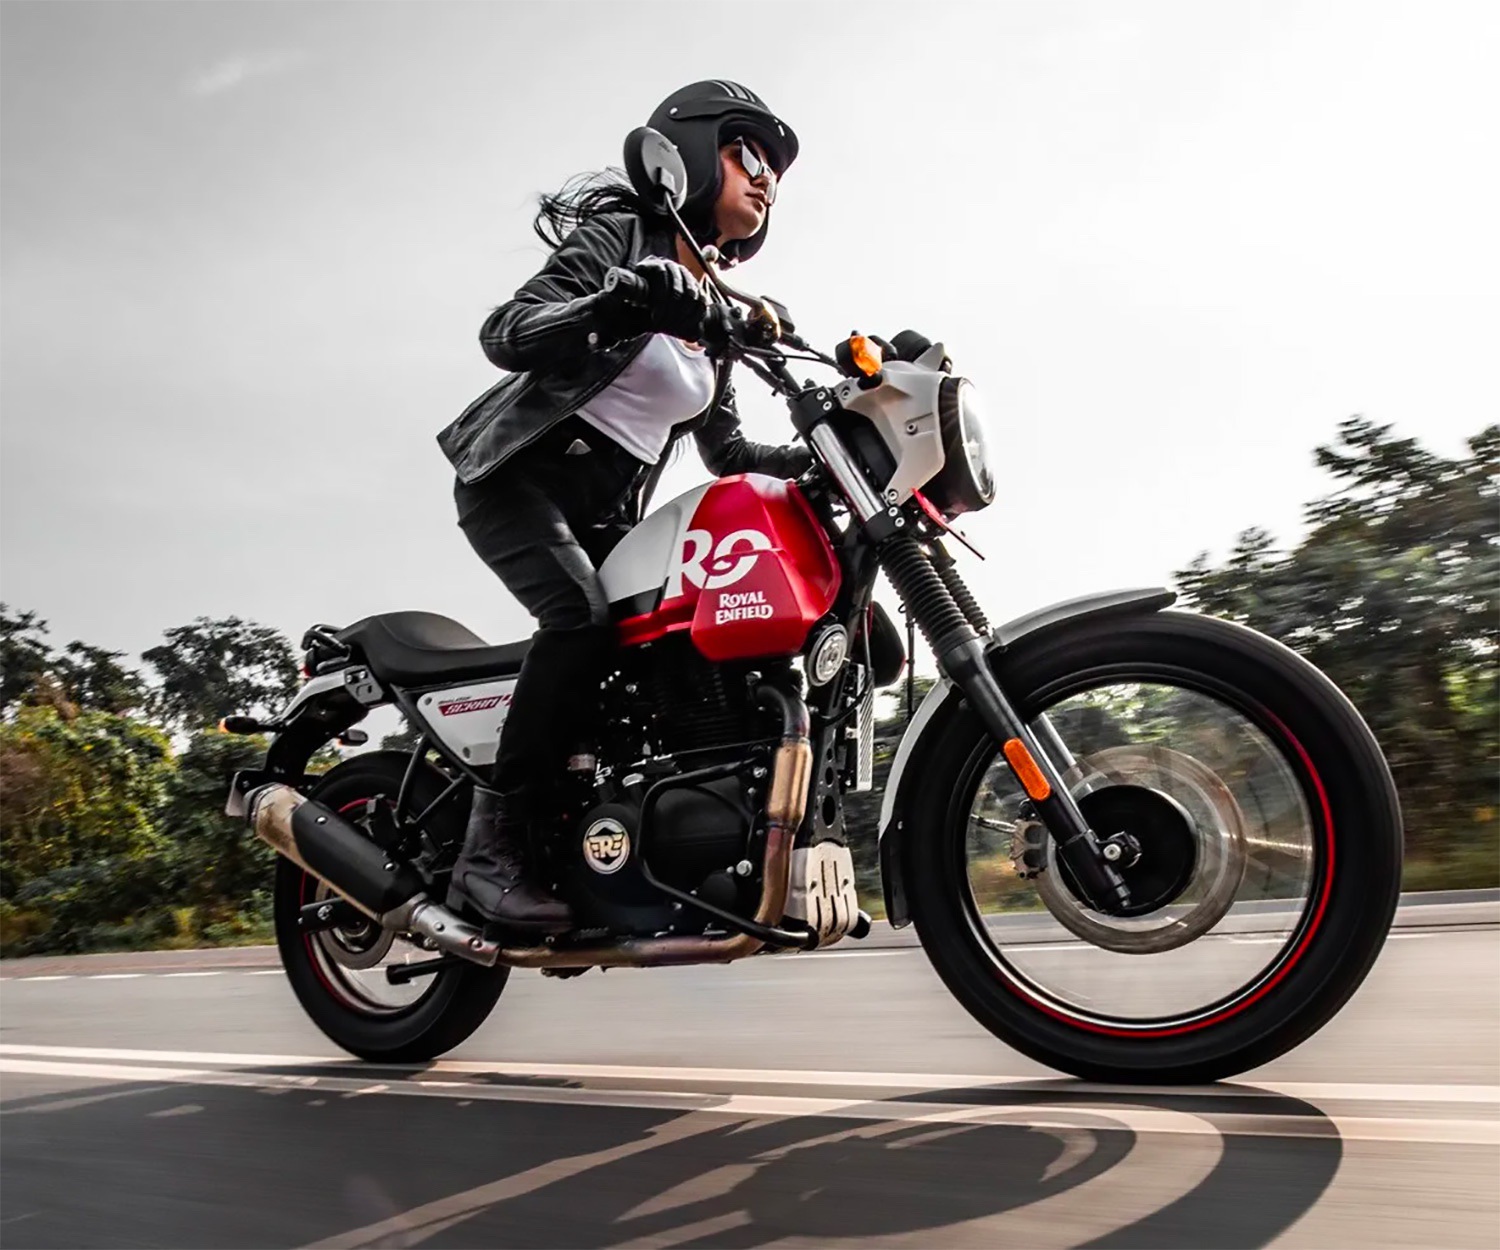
(301, 1164)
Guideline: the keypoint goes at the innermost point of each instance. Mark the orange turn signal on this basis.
(865, 354)
(1026, 770)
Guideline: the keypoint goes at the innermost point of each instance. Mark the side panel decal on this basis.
(467, 719)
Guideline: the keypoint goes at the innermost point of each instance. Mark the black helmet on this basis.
(702, 117)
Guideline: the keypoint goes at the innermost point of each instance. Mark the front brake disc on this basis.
(1218, 867)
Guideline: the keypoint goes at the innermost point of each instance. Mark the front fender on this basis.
(942, 702)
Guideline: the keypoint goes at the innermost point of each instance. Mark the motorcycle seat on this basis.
(425, 649)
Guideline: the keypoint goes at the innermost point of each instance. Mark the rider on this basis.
(555, 462)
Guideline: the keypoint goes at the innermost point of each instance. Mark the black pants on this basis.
(543, 522)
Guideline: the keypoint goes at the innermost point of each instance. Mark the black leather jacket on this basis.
(547, 337)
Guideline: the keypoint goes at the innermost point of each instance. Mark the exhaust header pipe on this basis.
(330, 848)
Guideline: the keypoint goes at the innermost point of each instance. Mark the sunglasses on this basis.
(756, 168)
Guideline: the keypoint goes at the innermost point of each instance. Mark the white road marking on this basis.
(1070, 1116)
(230, 1058)
(61, 976)
(114, 976)
(1478, 1095)
(190, 974)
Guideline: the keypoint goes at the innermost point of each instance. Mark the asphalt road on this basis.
(832, 1099)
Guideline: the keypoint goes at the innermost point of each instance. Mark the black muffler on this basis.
(333, 850)
(341, 855)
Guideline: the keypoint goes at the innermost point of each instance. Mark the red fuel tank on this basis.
(746, 568)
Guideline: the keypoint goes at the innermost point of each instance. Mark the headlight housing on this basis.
(966, 482)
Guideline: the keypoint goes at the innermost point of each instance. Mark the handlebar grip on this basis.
(630, 286)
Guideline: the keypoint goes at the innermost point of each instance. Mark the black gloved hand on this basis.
(653, 296)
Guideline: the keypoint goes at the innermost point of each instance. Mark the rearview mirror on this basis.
(655, 167)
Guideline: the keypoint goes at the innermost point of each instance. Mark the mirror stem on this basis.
(725, 291)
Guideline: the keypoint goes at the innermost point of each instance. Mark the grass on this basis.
(1465, 868)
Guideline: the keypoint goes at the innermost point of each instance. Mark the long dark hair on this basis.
(584, 197)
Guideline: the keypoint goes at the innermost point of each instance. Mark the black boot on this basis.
(493, 875)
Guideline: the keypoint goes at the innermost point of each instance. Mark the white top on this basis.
(668, 382)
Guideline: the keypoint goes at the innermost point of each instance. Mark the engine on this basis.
(670, 714)
(694, 710)
(725, 580)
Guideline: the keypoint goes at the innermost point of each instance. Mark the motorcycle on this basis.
(1138, 844)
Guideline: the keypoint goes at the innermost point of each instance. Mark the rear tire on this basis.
(453, 1003)
(1348, 790)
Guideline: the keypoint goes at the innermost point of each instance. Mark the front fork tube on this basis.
(926, 588)
(968, 666)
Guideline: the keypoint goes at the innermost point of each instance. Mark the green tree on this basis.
(79, 845)
(1394, 592)
(81, 677)
(225, 868)
(105, 838)
(94, 679)
(212, 668)
(25, 656)
(76, 788)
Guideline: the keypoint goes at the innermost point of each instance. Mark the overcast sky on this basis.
(247, 248)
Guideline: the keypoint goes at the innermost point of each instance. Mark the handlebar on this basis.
(727, 331)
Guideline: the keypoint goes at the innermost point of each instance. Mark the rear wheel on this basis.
(339, 974)
(1263, 854)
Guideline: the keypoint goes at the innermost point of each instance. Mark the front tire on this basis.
(1352, 880)
(345, 1000)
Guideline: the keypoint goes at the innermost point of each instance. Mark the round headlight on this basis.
(966, 481)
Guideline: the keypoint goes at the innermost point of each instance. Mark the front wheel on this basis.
(339, 974)
(1264, 862)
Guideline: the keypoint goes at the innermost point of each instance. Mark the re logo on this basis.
(731, 560)
(606, 846)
